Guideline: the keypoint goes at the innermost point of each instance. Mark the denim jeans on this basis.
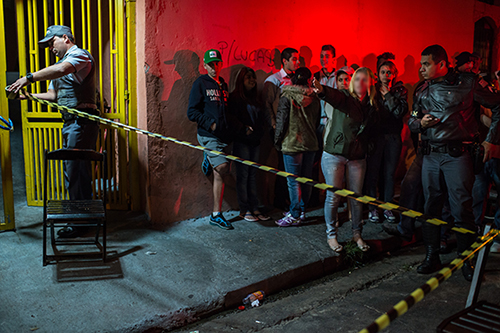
(335, 168)
(299, 164)
(489, 175)
(79, 134)
(384, 159)
(246, 182)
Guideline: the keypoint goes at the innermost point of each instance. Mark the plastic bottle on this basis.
(254, 299)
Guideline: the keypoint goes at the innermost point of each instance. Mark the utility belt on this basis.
(69, 117)
(456, 149)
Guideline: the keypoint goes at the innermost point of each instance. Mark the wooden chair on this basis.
(79, 213)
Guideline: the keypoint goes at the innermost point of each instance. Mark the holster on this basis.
(67, 117)
(424, 148)
(456, 149)
(476, 151)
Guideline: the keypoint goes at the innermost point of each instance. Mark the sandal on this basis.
(334, 245)
(249, 217)
(261, 216)
(356, 238)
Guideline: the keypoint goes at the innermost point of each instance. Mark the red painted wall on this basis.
(177, 32)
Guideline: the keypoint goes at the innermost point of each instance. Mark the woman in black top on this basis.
(244, 105)
(382, 161)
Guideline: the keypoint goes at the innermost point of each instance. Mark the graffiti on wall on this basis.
(231, 51)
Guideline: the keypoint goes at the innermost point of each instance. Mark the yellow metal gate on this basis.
(8, 220)
(104, 28)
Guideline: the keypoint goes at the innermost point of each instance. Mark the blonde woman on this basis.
(345, 148)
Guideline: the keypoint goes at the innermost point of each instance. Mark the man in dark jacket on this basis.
(444, 113)
(208, 108)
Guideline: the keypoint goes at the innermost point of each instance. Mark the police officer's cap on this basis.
(53, 31)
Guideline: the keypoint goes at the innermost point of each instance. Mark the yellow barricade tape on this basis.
(342, 192)
(416, 296)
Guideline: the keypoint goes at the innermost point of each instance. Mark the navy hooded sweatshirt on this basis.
(208, 105)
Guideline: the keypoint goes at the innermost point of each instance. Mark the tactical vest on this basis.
(71, 93)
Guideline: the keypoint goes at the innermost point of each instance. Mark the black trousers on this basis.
(444, 175)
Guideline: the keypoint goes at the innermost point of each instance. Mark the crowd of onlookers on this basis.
(349, 121)
(346, 122)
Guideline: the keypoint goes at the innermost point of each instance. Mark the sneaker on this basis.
(288, 221)
(206, 167)
(495, 247)
(389, 216)
(220, 221)
(373, 216)
(302, 215)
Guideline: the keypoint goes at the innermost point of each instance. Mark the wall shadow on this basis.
(341, 62)
(370, 61)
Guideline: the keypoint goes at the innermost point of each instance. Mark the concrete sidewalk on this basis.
(161, 279)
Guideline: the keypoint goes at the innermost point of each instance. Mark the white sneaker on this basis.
(302, 215)
(495, 247)
(373, 217)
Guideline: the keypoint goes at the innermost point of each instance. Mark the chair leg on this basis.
(98, 228)
(104, 253)
(52, 234)
(44, 256)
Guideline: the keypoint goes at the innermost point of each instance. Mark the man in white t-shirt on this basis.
(272, 86)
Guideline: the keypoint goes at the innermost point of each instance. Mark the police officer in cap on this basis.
(72, 84)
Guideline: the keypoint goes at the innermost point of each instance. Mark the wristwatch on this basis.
(29, 76)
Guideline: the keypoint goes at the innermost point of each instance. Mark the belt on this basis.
(439, 149)
(451, 147)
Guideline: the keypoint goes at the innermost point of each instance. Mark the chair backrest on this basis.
(75, 154)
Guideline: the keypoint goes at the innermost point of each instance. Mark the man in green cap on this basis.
(72, 84)
(208, 108)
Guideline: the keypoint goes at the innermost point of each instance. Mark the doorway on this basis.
(484, 38)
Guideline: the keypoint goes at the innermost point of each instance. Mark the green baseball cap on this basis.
(212, 55)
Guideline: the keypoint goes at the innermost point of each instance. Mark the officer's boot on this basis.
(432, 263)
(464, 241)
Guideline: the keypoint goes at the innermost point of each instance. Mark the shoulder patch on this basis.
(414, 114)
(483, 83)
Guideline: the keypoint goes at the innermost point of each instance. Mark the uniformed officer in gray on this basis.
(72, 84)
(444, 112)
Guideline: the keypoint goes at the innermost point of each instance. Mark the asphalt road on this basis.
(349, 301)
